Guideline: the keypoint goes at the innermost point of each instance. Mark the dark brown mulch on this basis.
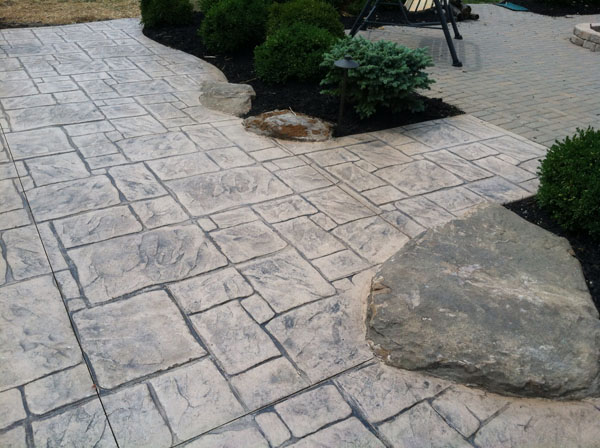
(587, 250)
(299, 96)
(555, 9)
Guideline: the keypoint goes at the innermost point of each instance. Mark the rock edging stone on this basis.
(489, 300)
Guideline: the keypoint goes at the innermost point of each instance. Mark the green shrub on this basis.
(570, 182)
(233, 25)
(310, 12)
(292, 52)
(387, 77)
(156, 13)
(352, 7)
(336, 3)
(205, 5)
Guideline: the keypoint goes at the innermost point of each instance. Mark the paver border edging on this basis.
(586, 37)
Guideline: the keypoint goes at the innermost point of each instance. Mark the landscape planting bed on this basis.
(302, 97)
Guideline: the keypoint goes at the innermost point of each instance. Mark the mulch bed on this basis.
(569, 8)
(587, 250)
(299, 96)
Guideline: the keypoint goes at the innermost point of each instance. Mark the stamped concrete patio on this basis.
(169, 279)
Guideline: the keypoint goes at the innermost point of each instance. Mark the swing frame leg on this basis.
(438, 6)
(363, 17)
(457, 34)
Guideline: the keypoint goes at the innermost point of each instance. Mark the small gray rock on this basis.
(233, 99)
(492, 300)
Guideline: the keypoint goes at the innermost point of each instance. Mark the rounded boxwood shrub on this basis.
(292, 52)
(233, 25)
(570, 182)
(310, 12)
(156, 13)
(387, 77)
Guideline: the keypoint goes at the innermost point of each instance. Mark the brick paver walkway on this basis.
(520, 71)
(168, 279)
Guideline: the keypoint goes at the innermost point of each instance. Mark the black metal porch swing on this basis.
(442, 8)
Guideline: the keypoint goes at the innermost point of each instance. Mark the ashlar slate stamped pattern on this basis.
(215, 278)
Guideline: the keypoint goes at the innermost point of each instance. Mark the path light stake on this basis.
(345, 64)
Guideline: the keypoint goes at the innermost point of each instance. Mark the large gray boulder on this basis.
(489, 300)
(232, 99)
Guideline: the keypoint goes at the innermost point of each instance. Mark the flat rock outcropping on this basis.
(289, 125)
(489, 300)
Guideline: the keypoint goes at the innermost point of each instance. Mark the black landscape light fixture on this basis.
(346, 64)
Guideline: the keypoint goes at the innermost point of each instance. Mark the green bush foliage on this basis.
(311, 12)
(570, 182)
(292, 52)
(157, 13)
(205, 5)
(233, 25)
(352, 7)
(387, 77)
(336, 3)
